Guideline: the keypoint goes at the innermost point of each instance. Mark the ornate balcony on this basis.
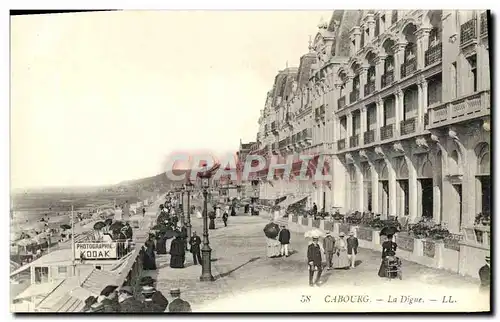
(460, 110)
(468, 31)
(433, 54)
(354, 141)
(319, 113)
(408, 67)
(387, 132)
(341, 144)
(387, 78)
(354, 96)
(369, 136)
(369, 88)
(484, 24)
(341, 102)
(408, 126)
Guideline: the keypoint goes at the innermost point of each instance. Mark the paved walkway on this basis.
(240, 263)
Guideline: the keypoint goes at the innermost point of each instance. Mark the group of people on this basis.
(123, 299)
(220, 213)
(340, 253)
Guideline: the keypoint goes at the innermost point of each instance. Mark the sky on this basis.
(98, 98)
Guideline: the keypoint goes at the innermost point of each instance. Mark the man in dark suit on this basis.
(484, 275)
(284, 239)
(195, 243)
(314, 261)
(352, 248)
(178, 304)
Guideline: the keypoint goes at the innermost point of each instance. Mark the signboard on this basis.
(95, 250)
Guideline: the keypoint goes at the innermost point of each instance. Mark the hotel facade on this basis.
(398, 103)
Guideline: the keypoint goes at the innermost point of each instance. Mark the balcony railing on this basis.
(354, 96)
(408, 67)
(468, 31)
(386, 132)
(369, 88)
(354, 141)
(484, 24)
(387, 78)
(341, 144)
(461, 109)
(408, 126)
(433, 54)
(369, 136)
(341, 102)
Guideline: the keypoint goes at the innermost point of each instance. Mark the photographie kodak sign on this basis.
(95, 250)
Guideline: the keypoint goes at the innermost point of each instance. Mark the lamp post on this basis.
(188, 187)
(183, 188)
(206, 251)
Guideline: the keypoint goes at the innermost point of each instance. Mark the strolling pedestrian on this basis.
(150, 305)
(178, 304)
(225, 216)
(233, 211)
(211, 225)
(177, 253)
(352, 248)
(284, 239)
(143, 211)
(314, 262)
(329, 247)
(340, 259)
(485, 275)
(195, 243)
(314, 209)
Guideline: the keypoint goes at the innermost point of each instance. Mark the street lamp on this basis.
(182, 190)
(188, 187)
(206, 251)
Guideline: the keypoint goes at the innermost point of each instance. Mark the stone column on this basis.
(375, 189)
(359, 187)
(399, 51)
(363, 127)
(348, 90)
(356, 36)
(422, 104)
(349, 128)
(363, 75)
(380, 117)
(422, 46)
(412, 190)
(398, 110)
(379, 71)
(370, 24)
(392, 189)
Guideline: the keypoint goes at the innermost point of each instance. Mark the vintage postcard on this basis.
(250, 161)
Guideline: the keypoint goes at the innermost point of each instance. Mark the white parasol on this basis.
(24, 242)
(315, 233)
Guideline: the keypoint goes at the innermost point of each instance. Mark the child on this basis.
(352, 248)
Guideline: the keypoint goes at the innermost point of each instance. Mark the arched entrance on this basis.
(483, 181)
(383, 189)
(402, 188)
(367, 186)
(425, 189)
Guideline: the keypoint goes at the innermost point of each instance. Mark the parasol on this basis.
(108, 221)
(159, 227)
(117, 225)
(25, 242)
(65, 226)
(271, 230)
(390, 230)
(99, 225)
(315, 233)
(171, 233)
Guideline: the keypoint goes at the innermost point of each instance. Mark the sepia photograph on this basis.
(239, 161)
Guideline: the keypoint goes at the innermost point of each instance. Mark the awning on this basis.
(38, 290)
(290, 200)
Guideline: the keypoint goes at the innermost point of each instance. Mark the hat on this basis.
(351, 233)
(487, 258)
(342, 235)
(148, 289)
(147, 281)
(108, 290)
(175, 291)
(126, 289)
(315, 238)
(328, 232)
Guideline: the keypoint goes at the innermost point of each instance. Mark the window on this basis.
(62, 269)
(98, 267)
(382, 23)
(454, 83)
(377, 27)
(473, 69)
(41, 275)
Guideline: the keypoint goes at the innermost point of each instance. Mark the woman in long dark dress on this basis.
(388, 249)
(211, 225)
(177, 253)
(161, 244)
(149, 261)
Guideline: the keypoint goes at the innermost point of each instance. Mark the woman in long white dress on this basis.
(340, 258)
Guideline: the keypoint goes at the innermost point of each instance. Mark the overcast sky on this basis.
(102, 97)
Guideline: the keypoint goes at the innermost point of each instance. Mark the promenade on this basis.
(240, 265)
